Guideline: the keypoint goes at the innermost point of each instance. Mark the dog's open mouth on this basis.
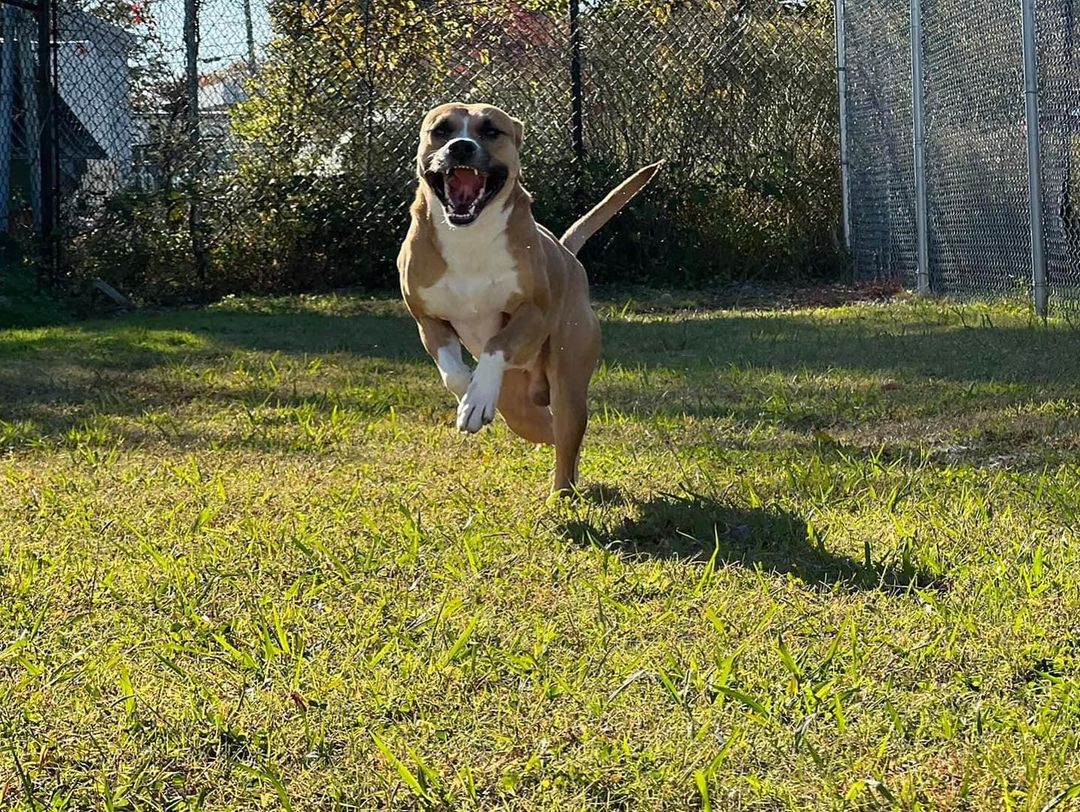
(465, 190)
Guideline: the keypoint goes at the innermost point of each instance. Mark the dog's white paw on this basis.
(457, 382)
(477, 407)
(475, 410)
(453, 371)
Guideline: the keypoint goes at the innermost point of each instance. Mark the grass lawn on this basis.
(827, 559)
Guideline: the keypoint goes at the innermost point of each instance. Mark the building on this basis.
(93, 110)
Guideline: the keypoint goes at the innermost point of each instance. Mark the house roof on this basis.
(225, 87)
(92, 80)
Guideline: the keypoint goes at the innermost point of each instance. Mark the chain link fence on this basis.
(187, 148)
(1059, 124)
(980, 190)
(881, 168)
(208, 146)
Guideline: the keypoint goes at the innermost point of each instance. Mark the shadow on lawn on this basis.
(935, 345)
(692, 527)
(874, 343)
(59, 377)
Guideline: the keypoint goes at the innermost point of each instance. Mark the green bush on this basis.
(140, 242)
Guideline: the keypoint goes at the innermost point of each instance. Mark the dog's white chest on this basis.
(480, 280)
(472, 288)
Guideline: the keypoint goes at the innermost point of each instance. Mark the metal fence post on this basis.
(194, 138)
(841, 89)
(7, 103)
(46, 138)
(918, 95)
(577, 124)
(1034, 153)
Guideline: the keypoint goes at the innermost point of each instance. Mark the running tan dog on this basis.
(476, 269)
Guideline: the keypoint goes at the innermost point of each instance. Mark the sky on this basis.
(223, 39)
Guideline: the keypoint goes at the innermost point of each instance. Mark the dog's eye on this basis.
(490, 132)
(441, 130)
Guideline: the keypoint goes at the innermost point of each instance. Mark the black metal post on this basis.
(194, 140)
(577, 118)
(46, 142)
(369, 141)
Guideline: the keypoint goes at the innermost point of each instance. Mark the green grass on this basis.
(827, 559)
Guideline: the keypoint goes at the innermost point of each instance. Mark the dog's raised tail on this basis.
(578, 234)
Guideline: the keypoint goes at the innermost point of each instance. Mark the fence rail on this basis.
(961, 124)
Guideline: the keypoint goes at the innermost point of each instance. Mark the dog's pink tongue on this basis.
(465, 186)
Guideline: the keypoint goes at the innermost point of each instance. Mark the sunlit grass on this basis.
(825, 559)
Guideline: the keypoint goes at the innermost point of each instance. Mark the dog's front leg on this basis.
(518, 342)
(444, 347)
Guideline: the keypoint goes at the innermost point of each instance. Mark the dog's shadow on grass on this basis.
(692, 527)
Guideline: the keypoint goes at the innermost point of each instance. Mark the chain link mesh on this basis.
(881, 160)
(209, 145)
(978, 198)
(740, 97)
(215, 145)
(976, 149)
(1059, 123)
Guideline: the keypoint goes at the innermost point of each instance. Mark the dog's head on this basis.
(468, 157)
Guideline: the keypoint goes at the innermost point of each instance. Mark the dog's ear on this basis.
(420, 150)
(425, 125)
(519, 132)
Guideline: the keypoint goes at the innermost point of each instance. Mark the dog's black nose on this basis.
(462, 149)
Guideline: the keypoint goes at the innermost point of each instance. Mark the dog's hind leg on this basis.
(522, 415)
(570, 375)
